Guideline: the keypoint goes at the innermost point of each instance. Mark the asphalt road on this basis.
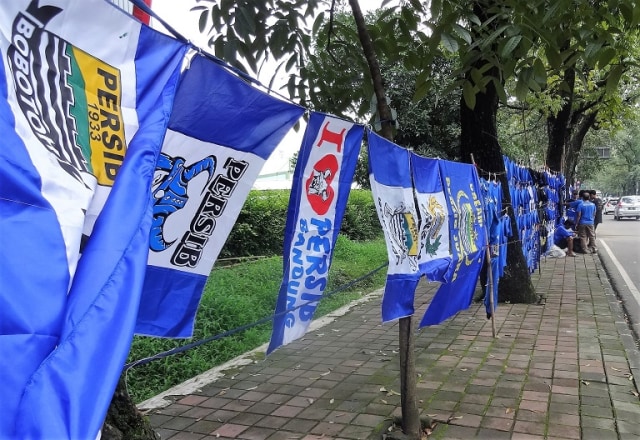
(619, 250)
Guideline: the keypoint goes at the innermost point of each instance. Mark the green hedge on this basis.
(259, 230)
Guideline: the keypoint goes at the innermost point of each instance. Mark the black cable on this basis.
(208, 339)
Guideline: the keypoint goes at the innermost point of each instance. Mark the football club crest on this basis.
(320, 193)
(402, 228)
(434, 216)
(70, 99)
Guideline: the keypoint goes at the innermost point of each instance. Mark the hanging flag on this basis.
(82, 116)
(414, 214)
(492, 202)
(321, 185)
(392, 190)
(467, 234)
(434, 256)
(221, 132)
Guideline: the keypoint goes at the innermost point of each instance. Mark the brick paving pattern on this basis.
(558, 371)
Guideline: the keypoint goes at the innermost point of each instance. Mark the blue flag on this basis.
(221, 132)
(435, 255)
(413, 210)
(467, 234)
(321, 185)
(82, 116)
(392, 190)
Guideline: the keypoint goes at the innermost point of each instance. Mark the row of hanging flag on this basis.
(537, 200)
(499, 227)
(126, 159)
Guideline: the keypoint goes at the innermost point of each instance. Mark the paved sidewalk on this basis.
(559, 371)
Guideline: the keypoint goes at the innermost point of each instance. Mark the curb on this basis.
(624, 305)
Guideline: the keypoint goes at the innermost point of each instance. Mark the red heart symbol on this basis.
(320, 194)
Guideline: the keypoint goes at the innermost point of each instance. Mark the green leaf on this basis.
(230, 50)
(591, 52)
(245, 20)
(473, 18)
(291, 63)
(508, 67)
(291, 85)
(449, 42)
(462, 33)
(522, 85)
(417, 5)
(436, 8)
(552, 10)
(219, 45)
(606, 56)
(408, 17)
(202, 22)
(553, 57)
(476, 76)
(502, 95)
(422, 90)
(539, 72)
(318, 23)
(469, 95)
(487, 42)
(614, 79)
(626, 11)
(510, 45)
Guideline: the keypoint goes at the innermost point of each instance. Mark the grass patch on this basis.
(238, 296)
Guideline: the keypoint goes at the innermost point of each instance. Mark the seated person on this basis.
(563, 237)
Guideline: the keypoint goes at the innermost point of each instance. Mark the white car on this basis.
(628, 206)
(610, 206)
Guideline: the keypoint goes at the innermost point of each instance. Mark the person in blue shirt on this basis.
(572, 207)
(585, 216)
(563, 238)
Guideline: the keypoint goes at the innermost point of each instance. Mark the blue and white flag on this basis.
(221, 132)
(468, 235)
(82, 115)
(392, 190)
(414, 213)
(321, 185)
(434, 255)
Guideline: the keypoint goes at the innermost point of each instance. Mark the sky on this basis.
(177, 15)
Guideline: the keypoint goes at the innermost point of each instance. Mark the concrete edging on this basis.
(192, 385)
(624, 303)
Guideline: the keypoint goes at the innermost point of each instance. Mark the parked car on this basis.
(610, 206)
(628, 206)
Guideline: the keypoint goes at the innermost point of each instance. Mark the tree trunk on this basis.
(567, 129)
(479, 137)
(577, 131)
(558, 126)
(408, 400)
(124, 421)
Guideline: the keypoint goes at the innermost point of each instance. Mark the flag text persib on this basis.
(83, 124)
(190, 249)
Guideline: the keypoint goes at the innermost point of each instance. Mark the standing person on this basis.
(586, 213)
(593, 197)
(572, 206)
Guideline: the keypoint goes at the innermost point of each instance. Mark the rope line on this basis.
(267, 319)
(264, 320)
